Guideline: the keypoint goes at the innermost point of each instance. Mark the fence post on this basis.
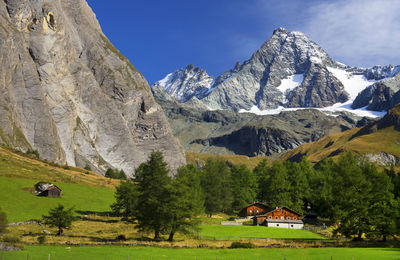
(48, 257)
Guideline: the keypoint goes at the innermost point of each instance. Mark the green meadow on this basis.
(154, 253)
(227, 232)
(20, 204)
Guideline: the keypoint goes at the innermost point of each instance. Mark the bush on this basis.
(87, 167)
(42, 239)
(3, 222)
(115, 174)
(242, 245)
(34, 153)
(120, 238)
(11, 239)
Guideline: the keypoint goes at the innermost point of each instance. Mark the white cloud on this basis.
(357, 32)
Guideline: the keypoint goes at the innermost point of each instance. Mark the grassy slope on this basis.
(20, 204)
(251, 162)
(108, 252)
(18, 174)
(223, 231)
(384, 140)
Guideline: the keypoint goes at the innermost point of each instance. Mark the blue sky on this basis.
(160, 37)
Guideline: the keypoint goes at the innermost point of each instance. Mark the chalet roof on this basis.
(283, 208)
(256, 203)
(43, 186)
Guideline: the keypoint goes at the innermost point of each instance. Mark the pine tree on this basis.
(126, 196)
(244, 186)
(277, 186)
(216, 183)
(152, 207)
(186, 201)
(60, 218)
(299, 183)
(352, 197)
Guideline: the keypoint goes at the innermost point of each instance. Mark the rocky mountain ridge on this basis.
(289, 70)
(68, 93)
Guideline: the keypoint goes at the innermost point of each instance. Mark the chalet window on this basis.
(257, 211)
(270, 217)
(288, 217)
(294, 218)
(251, 211)
(276, 217)
(282, 217)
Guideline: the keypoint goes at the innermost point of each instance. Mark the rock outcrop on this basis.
(67, 92)
(382, 95)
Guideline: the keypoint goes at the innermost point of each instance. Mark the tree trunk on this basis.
(60, 232)
(384, 238)
(171, 236)
(157, 235)
(359, 235)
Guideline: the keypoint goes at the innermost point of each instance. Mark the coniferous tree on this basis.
(216, 183)
(276, 189)
(352, 197)
(321, 182)
(261, 173)
(244, 186)
(299, 183)
(60, 217)
(186, 201)
(154, 195)
(126, 196)
(383, 207)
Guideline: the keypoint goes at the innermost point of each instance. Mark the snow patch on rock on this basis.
(353, 84)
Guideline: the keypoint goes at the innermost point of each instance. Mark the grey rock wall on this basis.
(66, 91)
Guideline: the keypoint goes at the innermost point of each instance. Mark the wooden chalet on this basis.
(45, 189)
(280, 217)
(254, 209)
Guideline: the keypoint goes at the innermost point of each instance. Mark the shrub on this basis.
(242, 245)
(42, 239)
(87, 167)
(3, 222)
(120, 238)
(11, 239)
(34, 153)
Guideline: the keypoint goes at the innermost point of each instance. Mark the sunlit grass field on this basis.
(154, 253)
(226, 232)
(20, 204)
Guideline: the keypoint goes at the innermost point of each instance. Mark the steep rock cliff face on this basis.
(67, 92)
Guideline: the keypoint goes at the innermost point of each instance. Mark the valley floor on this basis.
(117, 253)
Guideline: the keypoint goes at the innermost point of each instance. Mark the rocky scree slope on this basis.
(228, 132)
(67, 92)
(378, 141)
(288, 70)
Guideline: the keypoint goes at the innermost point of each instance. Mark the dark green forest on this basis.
(350, 192)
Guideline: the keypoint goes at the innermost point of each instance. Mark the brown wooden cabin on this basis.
(253, 210)
(44, 189)
(283, 214)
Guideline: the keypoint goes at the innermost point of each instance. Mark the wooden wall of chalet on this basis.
(253, 210)
(278, 214)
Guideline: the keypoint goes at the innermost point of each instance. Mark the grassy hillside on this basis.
(201, 158)
(383, 136)
(87, 191)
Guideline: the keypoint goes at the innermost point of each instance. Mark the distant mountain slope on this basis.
(379, 141)
(67, 92)
(289, 70)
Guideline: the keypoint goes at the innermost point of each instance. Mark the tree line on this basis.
(350, 192)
